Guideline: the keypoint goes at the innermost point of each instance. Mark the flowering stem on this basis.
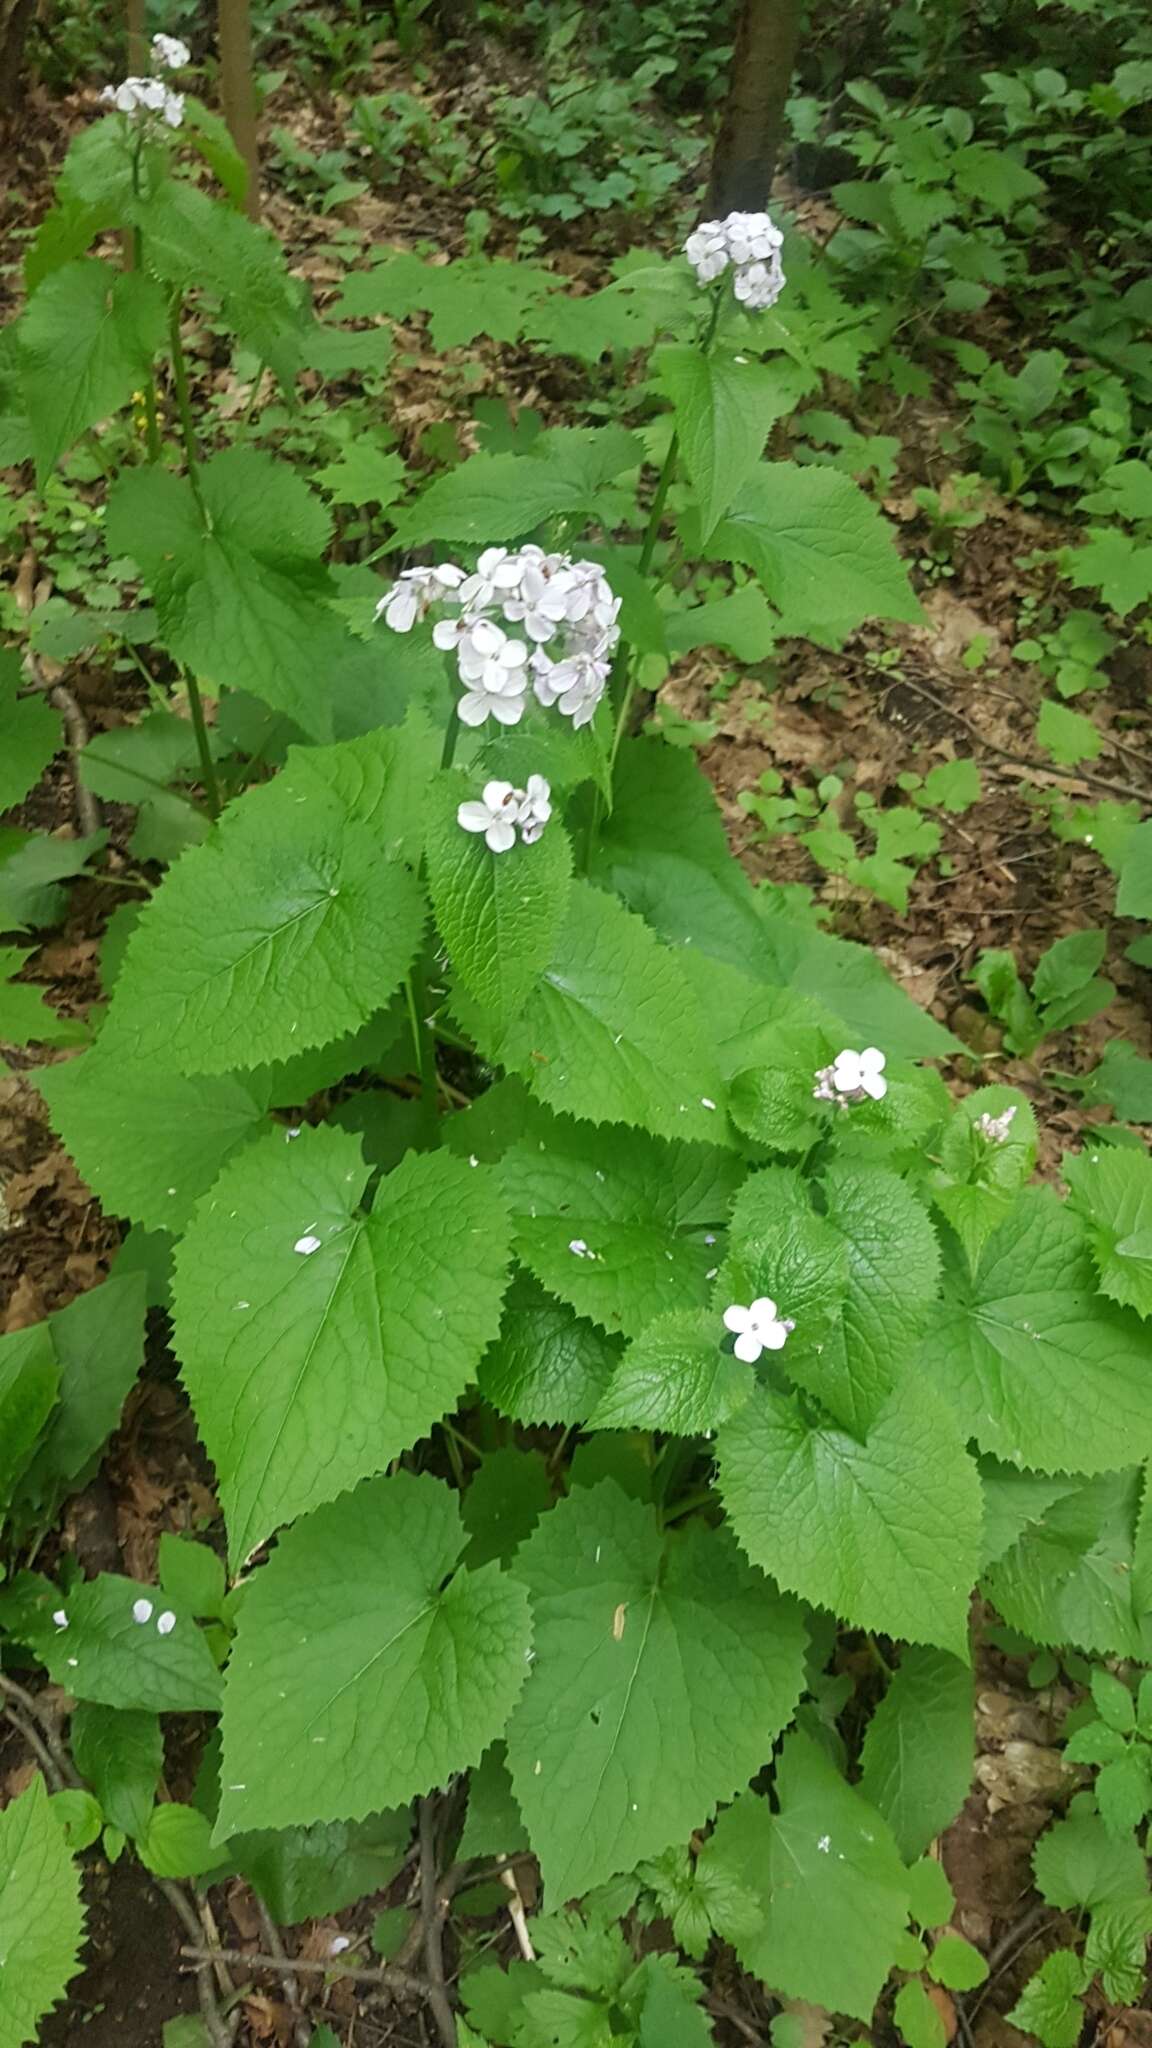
(151, 416)
(451, 735)
(183, 400)
(652, 530)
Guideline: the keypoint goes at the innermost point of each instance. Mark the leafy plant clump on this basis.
(588, 1295)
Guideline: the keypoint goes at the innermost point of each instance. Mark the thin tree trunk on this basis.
(238, 91)
(15, 22)
(744, 160)
(137, 39)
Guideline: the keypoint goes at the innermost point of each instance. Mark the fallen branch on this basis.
(369, 1973)
(220, 2032)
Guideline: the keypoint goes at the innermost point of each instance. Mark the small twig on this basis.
(723, 2011)
(381, 1973)
(1009, 1947)
(1124, 789)
(291, 1982)
(35, 1741)
(433, 1917)
(218, 2028)
(32, 1712)
(211, 1935)
(517, 1915)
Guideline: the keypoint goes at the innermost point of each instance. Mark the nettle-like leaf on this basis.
(194, 242)
(29, 1378)
(884, 1530)
(612, 1032)
(148, 1141)
(319, 1341)
(547, 1365)
(1038, 1368)
(499, 497)
(621, 1225)
(664, 1671)
(305, 1873)
(724, 407)
(498, 913)
(478, 295)
(664, 850)
(41, 1915)
(106, 1652)
(237, 577)
(30, 730)
(95, 1346)
(357, 1660)
(1078, 1863)
(88, 340)
(381, 779)
(1071, 1576)
(918, 1751)
(781, 1249)
(287, 928)
(822, 552)
(121, 1754)
(1049, 2007)
(679, 1376)
(1112, 1190)
(828, 1880)
(893, 1276)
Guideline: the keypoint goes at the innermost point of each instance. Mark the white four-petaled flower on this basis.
(495, 815)
(535, 808)
(851, 1077)
(757, 1328)
(503, 810)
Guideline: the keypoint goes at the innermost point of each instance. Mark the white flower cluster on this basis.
(169, 53)
(566, 614)
(852, 1076)
(997, 1129)
(147, 96)
(749, 244)
(502, 809)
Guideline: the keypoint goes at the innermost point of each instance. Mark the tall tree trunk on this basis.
(137, 66)
(15, 22)
(744, 159)
(238, 91)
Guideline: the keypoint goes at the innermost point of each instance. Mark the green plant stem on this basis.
(451, 735)
(250, 408)
(203, 748)
(184, 401)
(703, 1497)
(656, 511)
(878, 1657)
(151, 413)
(647, 554)
(423, 1046)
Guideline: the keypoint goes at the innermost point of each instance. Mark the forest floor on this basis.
(892, 701)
